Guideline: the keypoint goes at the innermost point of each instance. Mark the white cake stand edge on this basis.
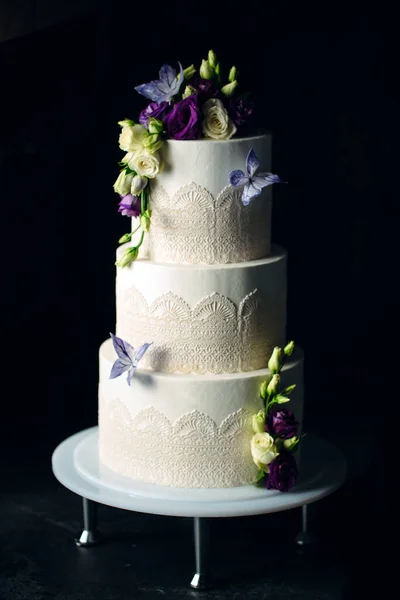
(76, 465)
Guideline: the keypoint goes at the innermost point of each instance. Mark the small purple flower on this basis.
(128, 358)
(157, 111)
(283, 472)
(205, 88)
(130, 206)
(240, 111)
(162, 90)
(281, 423)
(252, 183)
(184, 120)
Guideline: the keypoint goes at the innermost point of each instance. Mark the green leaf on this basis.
(260, 476)
(130, 171)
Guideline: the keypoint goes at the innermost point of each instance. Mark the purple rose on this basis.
(205, 88)
(283, 472)
(130, 206)
(240, 111)
(183, 122)
(281, 423)
(155, 110)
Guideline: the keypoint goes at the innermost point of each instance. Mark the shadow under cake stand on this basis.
(76, 465)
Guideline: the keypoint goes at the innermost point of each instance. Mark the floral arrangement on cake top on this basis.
(275, 438)
(185, 104)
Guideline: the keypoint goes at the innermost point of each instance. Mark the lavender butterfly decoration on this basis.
(128, 358)
(162, 90)
(252, 183)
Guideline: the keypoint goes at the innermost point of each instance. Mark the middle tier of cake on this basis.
(203, 319)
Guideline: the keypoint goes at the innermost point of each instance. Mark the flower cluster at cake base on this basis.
(187, 104)
(275, 438)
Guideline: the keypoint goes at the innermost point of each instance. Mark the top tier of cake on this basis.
(196, 215)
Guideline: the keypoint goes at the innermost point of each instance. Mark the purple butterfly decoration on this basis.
(252, 183)
(128, 358)
(162, 90)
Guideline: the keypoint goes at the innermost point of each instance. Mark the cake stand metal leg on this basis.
(90, 535)
(304, 537)
(201, 578)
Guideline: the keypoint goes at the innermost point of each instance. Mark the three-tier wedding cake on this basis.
(201, 298)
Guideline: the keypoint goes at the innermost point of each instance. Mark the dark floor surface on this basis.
(148, 556)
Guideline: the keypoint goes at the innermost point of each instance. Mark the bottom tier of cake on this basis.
(184, 430)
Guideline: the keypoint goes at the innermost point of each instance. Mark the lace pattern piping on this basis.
(215, 336)
(194, 227)
(191, 452)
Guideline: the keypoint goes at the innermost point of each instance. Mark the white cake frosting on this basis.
(201, 319)
(184, 430)
(209, 292)
(197, 216)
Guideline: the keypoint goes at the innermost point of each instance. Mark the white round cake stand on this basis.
(76, 465)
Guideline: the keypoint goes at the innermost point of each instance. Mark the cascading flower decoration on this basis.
(185, 104)
(275, 438)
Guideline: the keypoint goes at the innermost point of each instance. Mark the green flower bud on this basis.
(229, 89)
(152, 142)
(206, 71)
(232, 74)
(212, 59)
(217, 71)
(126, 123)
(189, 91)
(275, 362)
(189, 72)
(263, 389)
(258, 422)
(155, 146)
(289, 389)
(125, 238)
(145, 221)
(281, 399)
(149, 140)
(288, 349)
(155, 125)
(291, 444)
(273, 384)
(128, 256)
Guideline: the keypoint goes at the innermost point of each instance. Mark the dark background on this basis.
(322, 84)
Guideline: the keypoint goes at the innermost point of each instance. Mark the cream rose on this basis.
(145, 164)
(123, 184)
(131, 138)
(217, 125)
(263, 450)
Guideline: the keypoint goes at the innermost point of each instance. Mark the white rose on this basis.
(131, 138)
(123, 184)
(138, 184)
(217, 125)
(145, 164)
(263, 449)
